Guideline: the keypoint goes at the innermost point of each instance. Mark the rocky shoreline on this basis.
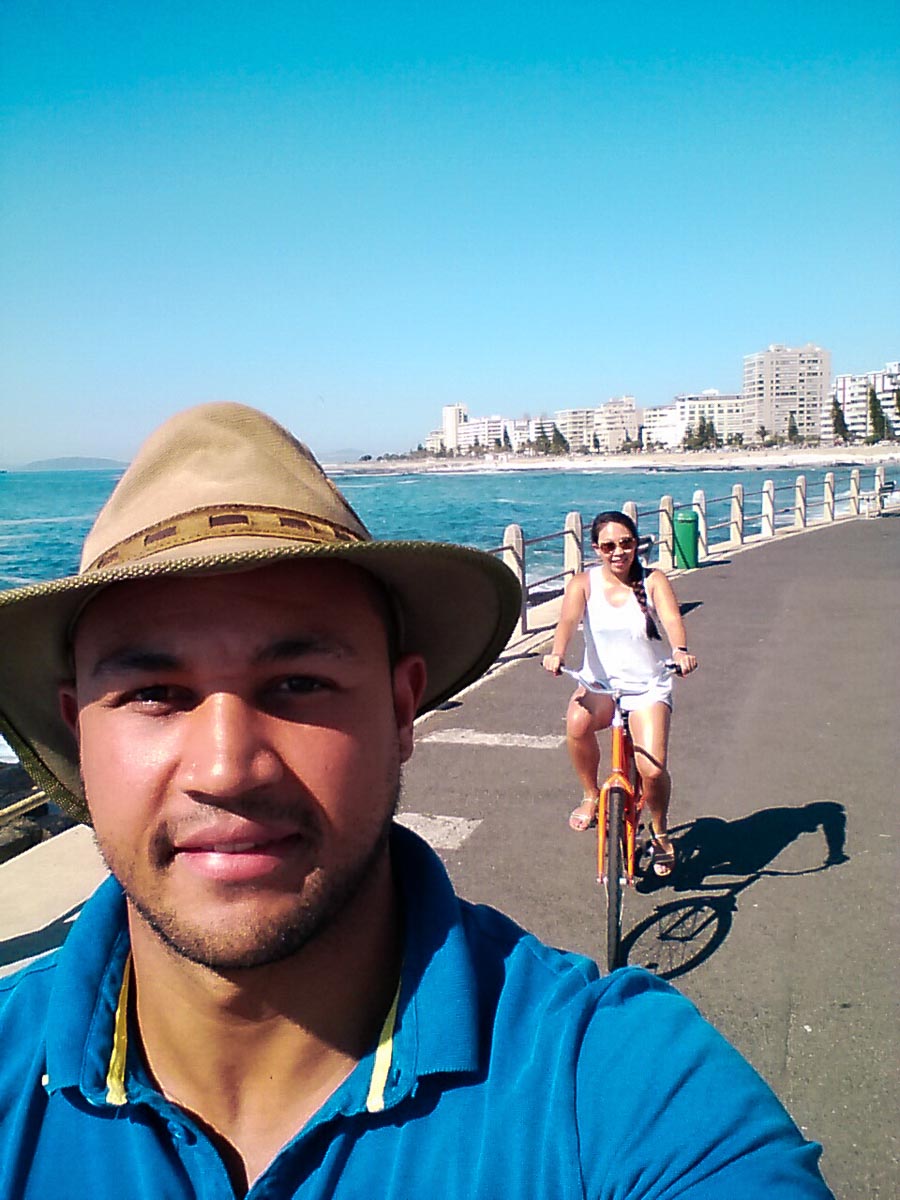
(36, 825)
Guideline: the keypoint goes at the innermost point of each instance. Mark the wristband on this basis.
(679, 650)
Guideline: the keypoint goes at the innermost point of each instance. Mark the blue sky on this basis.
(350, 214)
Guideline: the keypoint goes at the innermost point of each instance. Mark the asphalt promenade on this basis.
(781, 921)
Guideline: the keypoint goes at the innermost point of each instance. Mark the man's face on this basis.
(241, 739)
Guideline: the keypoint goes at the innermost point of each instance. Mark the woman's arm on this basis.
(571, 613)
(666, 605)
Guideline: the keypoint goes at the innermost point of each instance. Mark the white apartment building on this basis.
(782, 381)
(729, 413)
(667, 424)
(458, 433)
(486, 432)
(601, 429)
(852, 394)
(454, 417)
(618, 422)
(524, 430)
(663, 426)
(579, 426)
(461, 434)
(604, 428)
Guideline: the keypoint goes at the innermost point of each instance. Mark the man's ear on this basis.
(409, 686)
(68, 706)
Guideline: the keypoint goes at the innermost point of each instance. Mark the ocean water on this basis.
(44, 516)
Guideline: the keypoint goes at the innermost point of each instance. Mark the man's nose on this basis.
(226, 750)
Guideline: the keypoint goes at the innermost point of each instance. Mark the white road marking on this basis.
(441, 833)
(473, 737)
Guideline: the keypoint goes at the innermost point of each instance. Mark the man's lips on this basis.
(231, 848)
(233, 837)
(237, 855)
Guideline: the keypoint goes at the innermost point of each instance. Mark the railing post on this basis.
(699, 503)
(768, 509)
(514, 558)
(737, 515)
(854, 492)
(800, 502)
(666, 560)
(629, 508)
(879, 484)
(828, 497)
(573, 534)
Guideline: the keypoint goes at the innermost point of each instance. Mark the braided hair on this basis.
(636, 572)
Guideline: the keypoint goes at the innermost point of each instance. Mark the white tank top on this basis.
(617, 651)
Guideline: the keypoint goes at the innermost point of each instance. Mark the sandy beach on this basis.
(745, 459)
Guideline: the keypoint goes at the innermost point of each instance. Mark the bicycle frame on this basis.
(618, 813)
(623, 775)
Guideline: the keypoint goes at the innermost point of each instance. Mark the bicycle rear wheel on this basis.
(615, 805)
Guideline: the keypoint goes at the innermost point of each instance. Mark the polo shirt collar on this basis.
(432, 1027)
(437, 1028)
(85, 996)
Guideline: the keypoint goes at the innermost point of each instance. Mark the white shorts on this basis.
(659, 692)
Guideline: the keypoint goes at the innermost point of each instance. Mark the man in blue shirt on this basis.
(278, 993)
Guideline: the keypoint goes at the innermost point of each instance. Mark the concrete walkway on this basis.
(781, 924)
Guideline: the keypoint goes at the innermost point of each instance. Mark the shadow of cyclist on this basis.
(717, 860)
(711, 846)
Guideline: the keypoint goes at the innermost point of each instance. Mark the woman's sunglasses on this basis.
(625, 543)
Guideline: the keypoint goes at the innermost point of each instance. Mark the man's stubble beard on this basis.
(324, 899)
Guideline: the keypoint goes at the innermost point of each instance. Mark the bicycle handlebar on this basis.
(671, 669)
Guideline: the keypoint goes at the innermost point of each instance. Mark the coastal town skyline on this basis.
(350, 216)
(789, 395)
(607, 425)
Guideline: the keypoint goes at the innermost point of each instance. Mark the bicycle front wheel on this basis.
(615, 808)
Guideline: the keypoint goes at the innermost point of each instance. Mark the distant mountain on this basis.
(340, 456)
(75, 464)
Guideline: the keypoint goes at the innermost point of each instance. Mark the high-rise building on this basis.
(786, 388)
(453, 418)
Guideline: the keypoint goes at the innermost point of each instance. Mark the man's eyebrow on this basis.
(133, 660)
(299, 647)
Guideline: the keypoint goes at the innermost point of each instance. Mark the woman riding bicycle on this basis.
(620, 602)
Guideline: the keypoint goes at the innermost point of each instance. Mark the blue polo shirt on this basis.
(508, 1069)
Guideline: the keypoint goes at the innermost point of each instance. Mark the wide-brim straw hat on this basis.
(222, 487)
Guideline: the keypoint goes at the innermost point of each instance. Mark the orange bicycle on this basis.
(619, 827)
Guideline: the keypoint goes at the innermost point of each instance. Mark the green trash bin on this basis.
(686, 539)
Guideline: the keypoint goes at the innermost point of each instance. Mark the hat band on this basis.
(225, 520)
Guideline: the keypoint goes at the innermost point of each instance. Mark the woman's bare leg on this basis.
(585, 716)
(650, 734)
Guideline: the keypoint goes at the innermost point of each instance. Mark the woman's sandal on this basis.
(584, 817)
(662, 861)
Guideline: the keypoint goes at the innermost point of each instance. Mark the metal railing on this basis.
(714, 536)
(19, 808)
